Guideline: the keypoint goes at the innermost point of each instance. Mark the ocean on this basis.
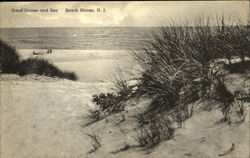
(92, 38)
(94, 54)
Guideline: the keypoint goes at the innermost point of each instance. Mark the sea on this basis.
(95, 54)
(91, 38)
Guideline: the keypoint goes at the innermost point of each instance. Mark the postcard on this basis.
(128, 79)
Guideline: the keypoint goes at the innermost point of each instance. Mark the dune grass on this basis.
(181, 65)
(43, 67)
(9, 58)
(10, 62)
(183, 56)
(180, 62)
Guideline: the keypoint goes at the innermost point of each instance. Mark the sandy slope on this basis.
(203, 136)
(42, 117)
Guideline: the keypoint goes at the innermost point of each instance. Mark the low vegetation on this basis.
(43, 67)
(93, 115)
(185, 56)
(153, 129)
(10, 62)
(182, 65)
(9, 58)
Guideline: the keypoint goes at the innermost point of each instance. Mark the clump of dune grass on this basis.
(10, 63)
(182, 55)
(180, 65)
(113, 102)
(94, 114)
(43, 67)
(9, 58)
(109, 103)
(121, 83)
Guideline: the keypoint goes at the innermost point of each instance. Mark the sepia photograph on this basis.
(125, 79)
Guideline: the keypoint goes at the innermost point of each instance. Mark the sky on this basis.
(118, 14)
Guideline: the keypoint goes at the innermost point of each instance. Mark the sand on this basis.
(43, 117)
(89, 65)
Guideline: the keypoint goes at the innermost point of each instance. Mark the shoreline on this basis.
(89, 65)
(25, 53)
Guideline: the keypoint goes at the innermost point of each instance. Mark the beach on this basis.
(44, 117)
(89, 65)
(187, 96)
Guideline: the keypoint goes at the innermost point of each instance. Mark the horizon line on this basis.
(75, 27)
(107, 26)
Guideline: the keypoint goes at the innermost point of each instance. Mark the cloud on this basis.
(117, 13)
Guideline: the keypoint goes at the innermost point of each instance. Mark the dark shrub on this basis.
(9, 58)
(69, 75)
(10, 63)
(38, 66)
(114, 102)
(43, 67)
(109, 102)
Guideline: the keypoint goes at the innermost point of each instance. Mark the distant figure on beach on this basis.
(42, 52)
(35, 53)
(49, 51)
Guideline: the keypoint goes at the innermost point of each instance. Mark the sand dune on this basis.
(43, 117)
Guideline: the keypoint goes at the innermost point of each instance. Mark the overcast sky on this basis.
(117, 13)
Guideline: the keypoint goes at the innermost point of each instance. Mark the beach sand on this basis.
(43, 117)
(89, 65)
